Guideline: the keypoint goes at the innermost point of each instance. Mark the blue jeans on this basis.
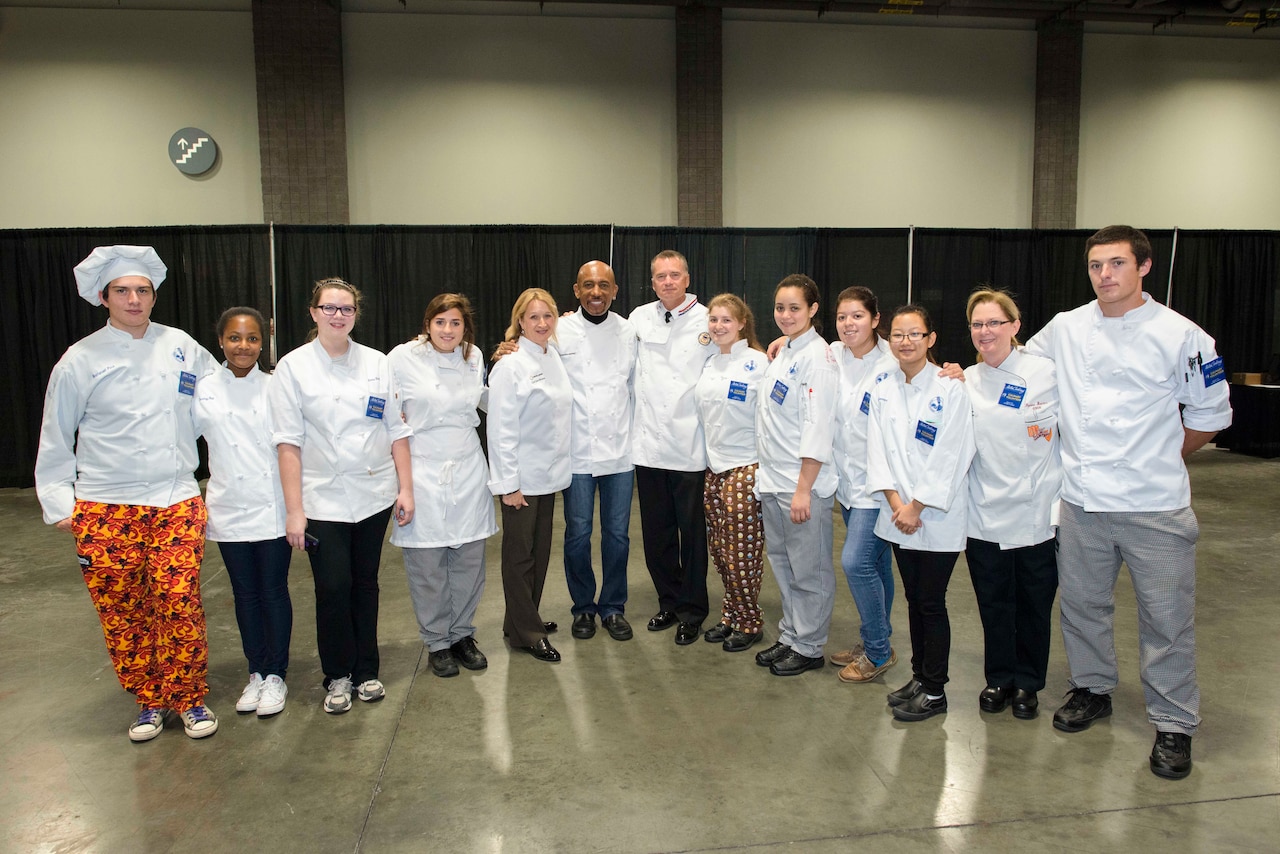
(868, 567)
(615, 541)
(259, 575)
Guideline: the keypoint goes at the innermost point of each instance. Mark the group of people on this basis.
(1046, 464)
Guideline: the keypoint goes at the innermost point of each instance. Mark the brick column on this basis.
(302, 125)
(699, 117)
(1059, 45)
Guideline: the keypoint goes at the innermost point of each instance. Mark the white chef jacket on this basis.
(244, 497)
(667, 433)
(1121, 381)
(600, 359)
(341, 413)
(905, 419)
(796, 416)
(1015, 480)
(530, 401)
(858, 376)
(437, 395)
(117, 422)
(726, 396)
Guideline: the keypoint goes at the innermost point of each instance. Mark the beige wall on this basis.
(90, 99)
(479, 119)
(1180, 132)
(863, 126)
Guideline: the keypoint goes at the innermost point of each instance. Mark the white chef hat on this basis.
(105, 264)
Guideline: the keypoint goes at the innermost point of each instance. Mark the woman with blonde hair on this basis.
(530, 403)
(1014, 487)
(344, 466)
(440, 386)
(726, 399)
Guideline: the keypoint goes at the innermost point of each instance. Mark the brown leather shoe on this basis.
(862, 670)
(845, 657)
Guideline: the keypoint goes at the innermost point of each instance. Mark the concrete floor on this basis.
(635, 746)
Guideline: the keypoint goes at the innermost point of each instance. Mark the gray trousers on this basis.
(1160, 551)
(445, 585)
(800, 556)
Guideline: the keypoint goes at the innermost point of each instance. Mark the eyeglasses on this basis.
(331, 310)
(993, 325)
(898, 337)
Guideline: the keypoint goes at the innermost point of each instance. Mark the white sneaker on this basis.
(338, 700)
(371, 691)
(199, 721)
(149, 724)
(251, 695)
(273, 693)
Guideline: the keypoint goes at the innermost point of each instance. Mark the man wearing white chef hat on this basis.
(115, 468)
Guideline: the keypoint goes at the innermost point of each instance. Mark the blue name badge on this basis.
(186, 383)
(376, 407)
(865, 408)
(1012, 396)
(1213, 372)
(926, 433)
(737, 390)
(779, 392)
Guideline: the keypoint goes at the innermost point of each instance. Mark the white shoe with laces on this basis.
(251, 695)
(273, 693)
(338, 700)
(371, 691)
(149, 724)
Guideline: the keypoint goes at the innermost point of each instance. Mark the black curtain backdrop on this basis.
(210, 269)
(1227, 281)
(1044, 271)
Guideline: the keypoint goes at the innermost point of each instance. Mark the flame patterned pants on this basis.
(142, 567)
(735, 533)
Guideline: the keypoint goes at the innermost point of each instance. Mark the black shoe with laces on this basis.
(1171, 755)
(468, 654)
(1079, 712)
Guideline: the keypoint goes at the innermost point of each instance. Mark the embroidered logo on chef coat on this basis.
(750, 366)
(377, 405)
(704, 339)
(1034, 432)
(186, 383)
(1012, 395)
(791, 371)
(179, 355)
(880, 377)
(936, 405)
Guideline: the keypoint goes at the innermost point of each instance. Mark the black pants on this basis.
(345, 568)
(526, 551)
(1015, 590)
(925, 576)
(674, 527)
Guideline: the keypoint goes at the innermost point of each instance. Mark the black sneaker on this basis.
(466, 653)
(920, 707)
(1082, 710)
(1171, 755)
(443, 663)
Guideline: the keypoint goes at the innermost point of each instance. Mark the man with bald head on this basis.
(598, 349)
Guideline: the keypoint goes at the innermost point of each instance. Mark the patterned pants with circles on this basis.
(735, 534)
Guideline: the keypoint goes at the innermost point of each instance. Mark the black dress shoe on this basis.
(920, 707)
(717, 633)
(994, 699)
(584, 626)
(544, 651)
(617, 627)
(550, 627)
(1082, 710)
(443, 663)
(687, 633)
(1025, 704)
(663, 620)
(906, 692)
(765, 657)
(1171, 755)
(793, 664)
(739, 641)
(469, 655)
